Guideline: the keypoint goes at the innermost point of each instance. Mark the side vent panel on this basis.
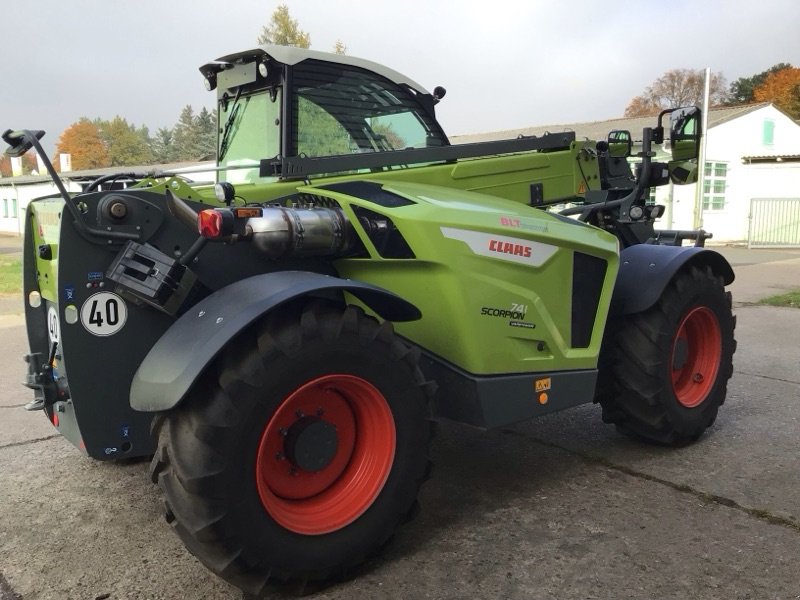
(383, 234)
(588, 275)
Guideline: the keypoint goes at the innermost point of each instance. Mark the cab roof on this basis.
(291, 55)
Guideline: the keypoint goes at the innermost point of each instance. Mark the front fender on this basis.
(646, 269)
(179, 357)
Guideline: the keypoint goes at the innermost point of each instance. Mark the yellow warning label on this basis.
(543, 385)
(582, 188)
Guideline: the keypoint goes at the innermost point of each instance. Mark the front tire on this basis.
(300, 451)
(664, 372)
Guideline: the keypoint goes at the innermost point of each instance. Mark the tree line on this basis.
(99, 143)
(114, 143)
(780, 84)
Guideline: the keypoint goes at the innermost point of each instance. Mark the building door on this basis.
(774, 223)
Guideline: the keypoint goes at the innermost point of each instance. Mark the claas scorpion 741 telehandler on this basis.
(282, 341)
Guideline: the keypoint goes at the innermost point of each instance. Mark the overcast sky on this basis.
(505, 63)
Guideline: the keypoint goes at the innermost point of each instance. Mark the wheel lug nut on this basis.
(283, 431)
(300, 414)
(293, 471)
(320, 412)
(697, 378)
(280, 456)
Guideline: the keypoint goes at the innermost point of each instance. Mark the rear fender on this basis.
(179, 357)
(646, 269)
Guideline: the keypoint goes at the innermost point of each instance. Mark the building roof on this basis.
(771, 158)
(598, 130)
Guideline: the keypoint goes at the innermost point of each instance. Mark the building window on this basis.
(13, 208)
(714, 185)
(768, 133)
(5, 208)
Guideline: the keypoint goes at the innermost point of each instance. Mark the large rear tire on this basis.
(664, 372)
(300, 451)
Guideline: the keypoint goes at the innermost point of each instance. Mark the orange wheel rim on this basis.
(696, 356)
(325, 454)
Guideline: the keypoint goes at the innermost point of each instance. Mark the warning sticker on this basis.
(52, 324)
(103, 314)
(543, 385)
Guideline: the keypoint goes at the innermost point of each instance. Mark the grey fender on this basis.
(646, 269)
(179, 357)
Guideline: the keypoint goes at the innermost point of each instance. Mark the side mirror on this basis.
(620, 143)
(685, 125)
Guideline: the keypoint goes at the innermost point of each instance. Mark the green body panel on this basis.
(453, 283)
(45, 228)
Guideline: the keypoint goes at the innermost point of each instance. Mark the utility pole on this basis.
(701, 160)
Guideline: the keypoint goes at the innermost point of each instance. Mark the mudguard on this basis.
(179, 357)
(646, 269)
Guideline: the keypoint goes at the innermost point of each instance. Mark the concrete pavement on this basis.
(559, 507)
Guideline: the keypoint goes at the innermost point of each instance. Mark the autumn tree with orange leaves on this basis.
(782, 88)
(677, 87)
(82, 140)
(28, 164)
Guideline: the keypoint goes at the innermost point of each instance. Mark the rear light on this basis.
(209, 223)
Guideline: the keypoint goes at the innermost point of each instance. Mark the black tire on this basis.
(664, 372)
(206, 460)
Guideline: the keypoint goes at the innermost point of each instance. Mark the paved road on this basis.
(560, 507)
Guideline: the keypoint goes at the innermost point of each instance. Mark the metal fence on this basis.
(774, 223)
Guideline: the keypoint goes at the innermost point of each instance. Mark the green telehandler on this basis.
(282, 338)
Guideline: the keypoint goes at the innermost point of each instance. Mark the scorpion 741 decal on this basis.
(515, 314)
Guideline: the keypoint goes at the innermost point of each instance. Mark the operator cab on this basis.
(280, 101)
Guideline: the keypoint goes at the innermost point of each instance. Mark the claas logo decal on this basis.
(509, 248)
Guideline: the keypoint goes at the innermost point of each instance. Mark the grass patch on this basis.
(788, 299)
(10, 275)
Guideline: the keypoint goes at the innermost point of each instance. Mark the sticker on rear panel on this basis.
(52, 324)
(103, 314)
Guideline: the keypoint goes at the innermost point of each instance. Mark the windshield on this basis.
(341, 109)
(249, 131)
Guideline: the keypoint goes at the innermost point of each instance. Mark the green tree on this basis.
(127, 145)
(678, 87)
(283, 30)
(186, 136)
(741, 90)
(207, 132)
(161, 146)
(82, 140)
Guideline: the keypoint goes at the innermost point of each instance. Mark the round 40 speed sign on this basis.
(103, 314)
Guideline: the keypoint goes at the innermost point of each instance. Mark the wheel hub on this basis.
(680, 353)
(311, 443)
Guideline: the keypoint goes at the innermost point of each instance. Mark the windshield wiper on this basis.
(228, 130)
